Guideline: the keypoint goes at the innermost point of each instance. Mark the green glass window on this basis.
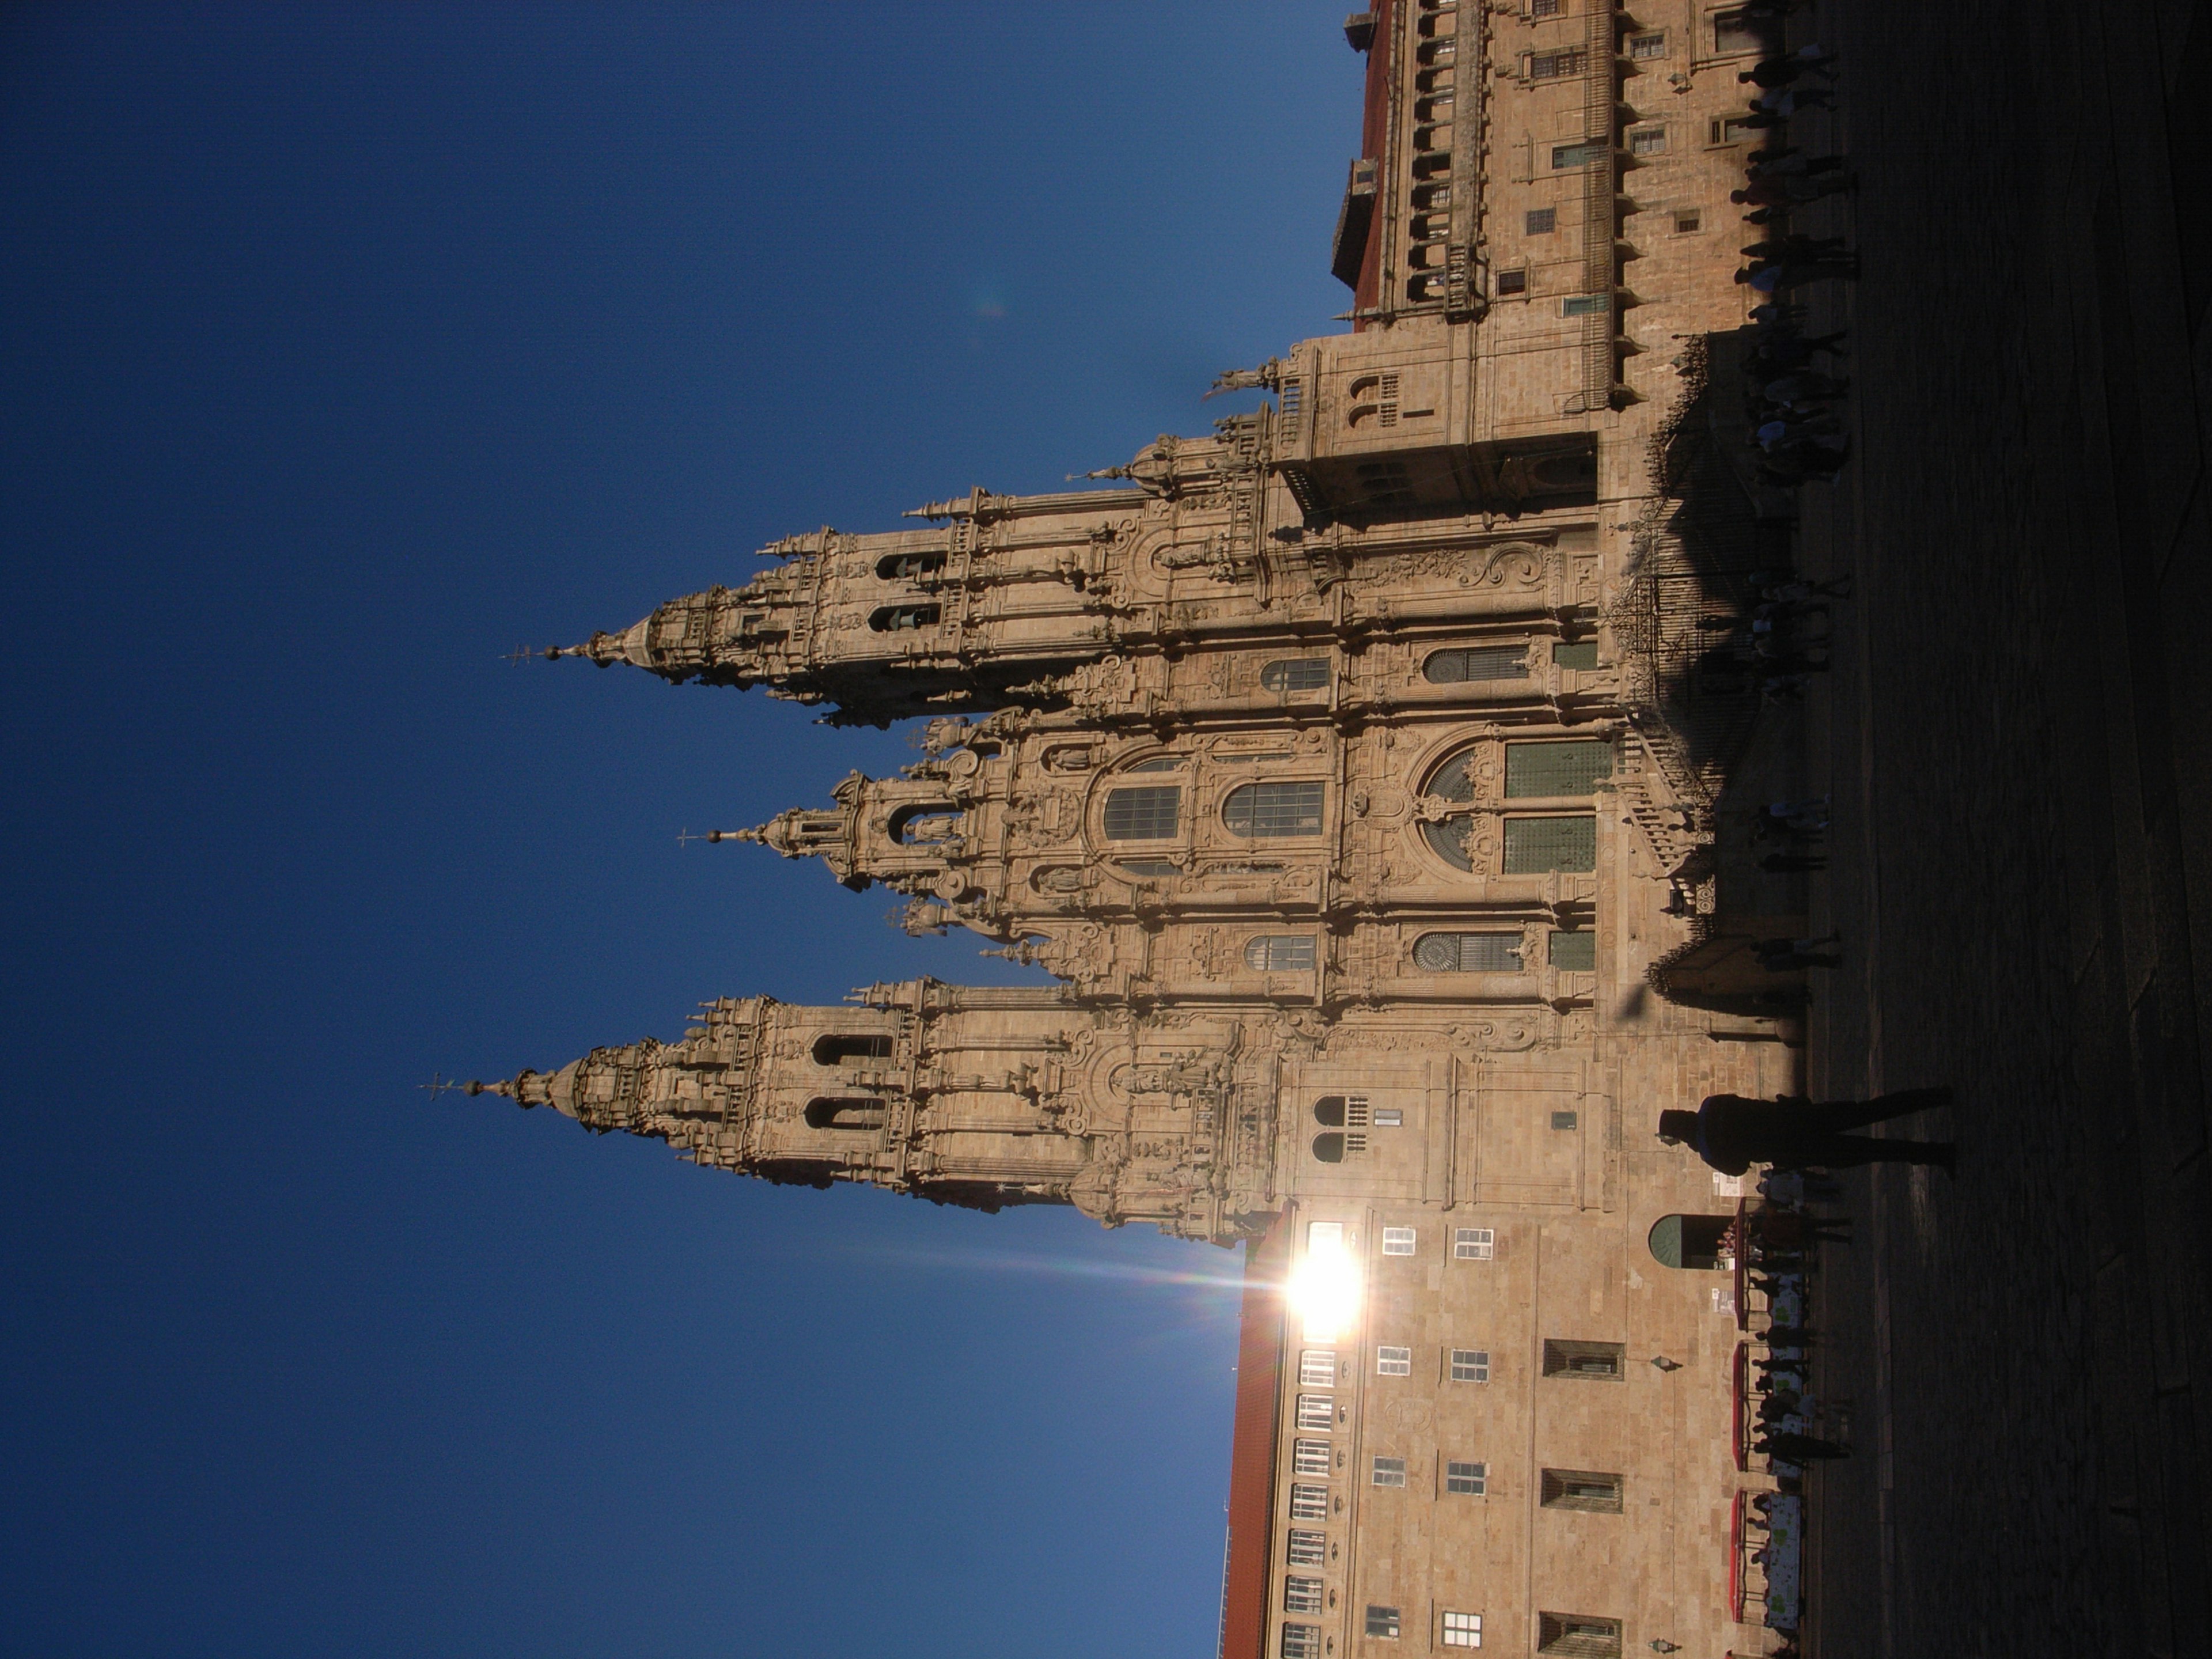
(1143, 814)
(1585, 304)
(1274, 809)
(1533, 846)
(1548, 771)
(1577, 156)
(1582, 654)
(1575, 952)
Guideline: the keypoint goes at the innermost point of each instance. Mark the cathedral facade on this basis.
(1321, 763)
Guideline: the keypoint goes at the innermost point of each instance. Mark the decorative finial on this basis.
(758, 838)
(1268, 377)
(523, 654)
(441, 1084)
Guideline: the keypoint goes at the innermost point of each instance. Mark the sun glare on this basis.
(1324, 1288)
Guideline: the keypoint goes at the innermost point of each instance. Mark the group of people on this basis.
(1772, 646)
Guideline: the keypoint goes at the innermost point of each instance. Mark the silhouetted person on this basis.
(1731, 1132)
(1799, 1448)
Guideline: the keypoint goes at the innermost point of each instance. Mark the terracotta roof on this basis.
(1252, 1450)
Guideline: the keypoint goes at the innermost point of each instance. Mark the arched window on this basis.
(1467, 953)
(1274, 809)
(1280, 953)
(1147, 813)
(830, 1113)
(1295, 674)
(1476, 662)
(903, 618)
(849, 1047)
(1448, 839)
(1329, 1111)
(1328, 1148)
(904, 566)
(1690, 1240)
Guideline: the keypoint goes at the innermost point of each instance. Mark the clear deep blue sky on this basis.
(345, 348)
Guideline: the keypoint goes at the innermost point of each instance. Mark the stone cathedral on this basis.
(1335, 765)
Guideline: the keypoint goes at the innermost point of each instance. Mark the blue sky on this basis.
(344, 349)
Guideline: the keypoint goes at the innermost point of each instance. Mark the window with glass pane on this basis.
(1470, 1365)
(1308, 1503)
(1301, 1595)
(1541, 222)
(1382, 1622)
(1575, 952)
(1398, 1240)
(1390, 1471)
(1467, 1480)
(1582, 655)
(1463, 1630)
(1601, 1361)
(1308, 1549)
(1317, 1368)
(1316, 1411)
(1468, 953)
(1585, 304)
(1301, 1642)
(1577, 1636)
(1274, 809)
(1280, 953)
(1576, 155)
(1533, 846)
(1295, 674)
(1144, 814)
(1553, 769)
(1394, 1362)
(1477, 662)
(1474, 1244)
(1309, 1457)
(1582, 1489)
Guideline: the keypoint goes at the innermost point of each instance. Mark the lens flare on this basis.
(1324, 1290)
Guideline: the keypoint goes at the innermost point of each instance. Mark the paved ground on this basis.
(2016, 739)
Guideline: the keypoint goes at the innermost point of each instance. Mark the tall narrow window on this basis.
(1301, 1595)
(1147, 813)
(1390, 1471)
(1468, 953)
(1474, 1244)
(1317, 1368)
(1470, 1366)
(1534, 845)
(1316, 1411)
(1476, 662)
(1577, 1636)
(1467, 1480)
(1582, 1489)
(1308, 1503)
(1301, 1642)
(1309, 1457)
(1308, 1549)
(1274, 809)
(1279, 954)
(1595, 1361)
(1295, 674)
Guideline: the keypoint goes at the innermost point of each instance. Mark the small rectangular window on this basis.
(1582, 1489)
(1301, 1595)
(1317, 1368)
(1541, 222)
(1601, 1361)
(1644, 47)
(1563, 1119)
(1739, 31)
(1585, 304)
(1547, 8)
(1394, 1362)
(1382, 1621)
(1397, 1241)
(1389, 1117)
(1580, 656)
(1534, 845)
(1470, 1365)
(1510, 283)
(1473, 1244)
(1280, 953)
(1316, 1411)
(1142, 814)
(1575, 952)
(1301, 1642)
(1557, 65)
(1324, 1236)
(1647, 141)
(1686, 223)
(1309, 1457)
(1732, 129)
(1577, 1636)
(1308, 1549)
(1565, 156)
(1390, 1471)
(1468, 953)
(1308, 1503)
(1481, 662)
(1463, 1630)
(1466, 1480)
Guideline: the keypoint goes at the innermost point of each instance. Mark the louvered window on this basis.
(1467, 953)
(1144, 814)
(1551, 770)
(1274, 809)
(1477, 662)
(1533, 846)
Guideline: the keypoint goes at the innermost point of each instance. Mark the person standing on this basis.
(1732, 1132)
